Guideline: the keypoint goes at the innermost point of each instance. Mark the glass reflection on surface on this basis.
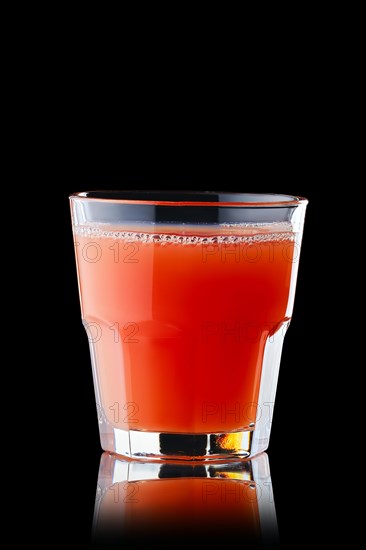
(156, 501)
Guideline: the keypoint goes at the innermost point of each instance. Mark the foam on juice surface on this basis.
(190, 234)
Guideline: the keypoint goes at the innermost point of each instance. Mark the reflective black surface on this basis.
(207, 504)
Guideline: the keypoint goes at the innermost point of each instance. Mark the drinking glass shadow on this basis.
(173, 502)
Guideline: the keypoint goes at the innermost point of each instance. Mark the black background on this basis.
(204, 113)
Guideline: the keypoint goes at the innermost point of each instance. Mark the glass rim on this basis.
(186, 198)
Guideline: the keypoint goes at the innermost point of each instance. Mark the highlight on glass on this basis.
(186, 298)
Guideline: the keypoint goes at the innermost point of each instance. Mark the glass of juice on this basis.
(186, 298)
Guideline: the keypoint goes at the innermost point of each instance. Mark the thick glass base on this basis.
(170, 446)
